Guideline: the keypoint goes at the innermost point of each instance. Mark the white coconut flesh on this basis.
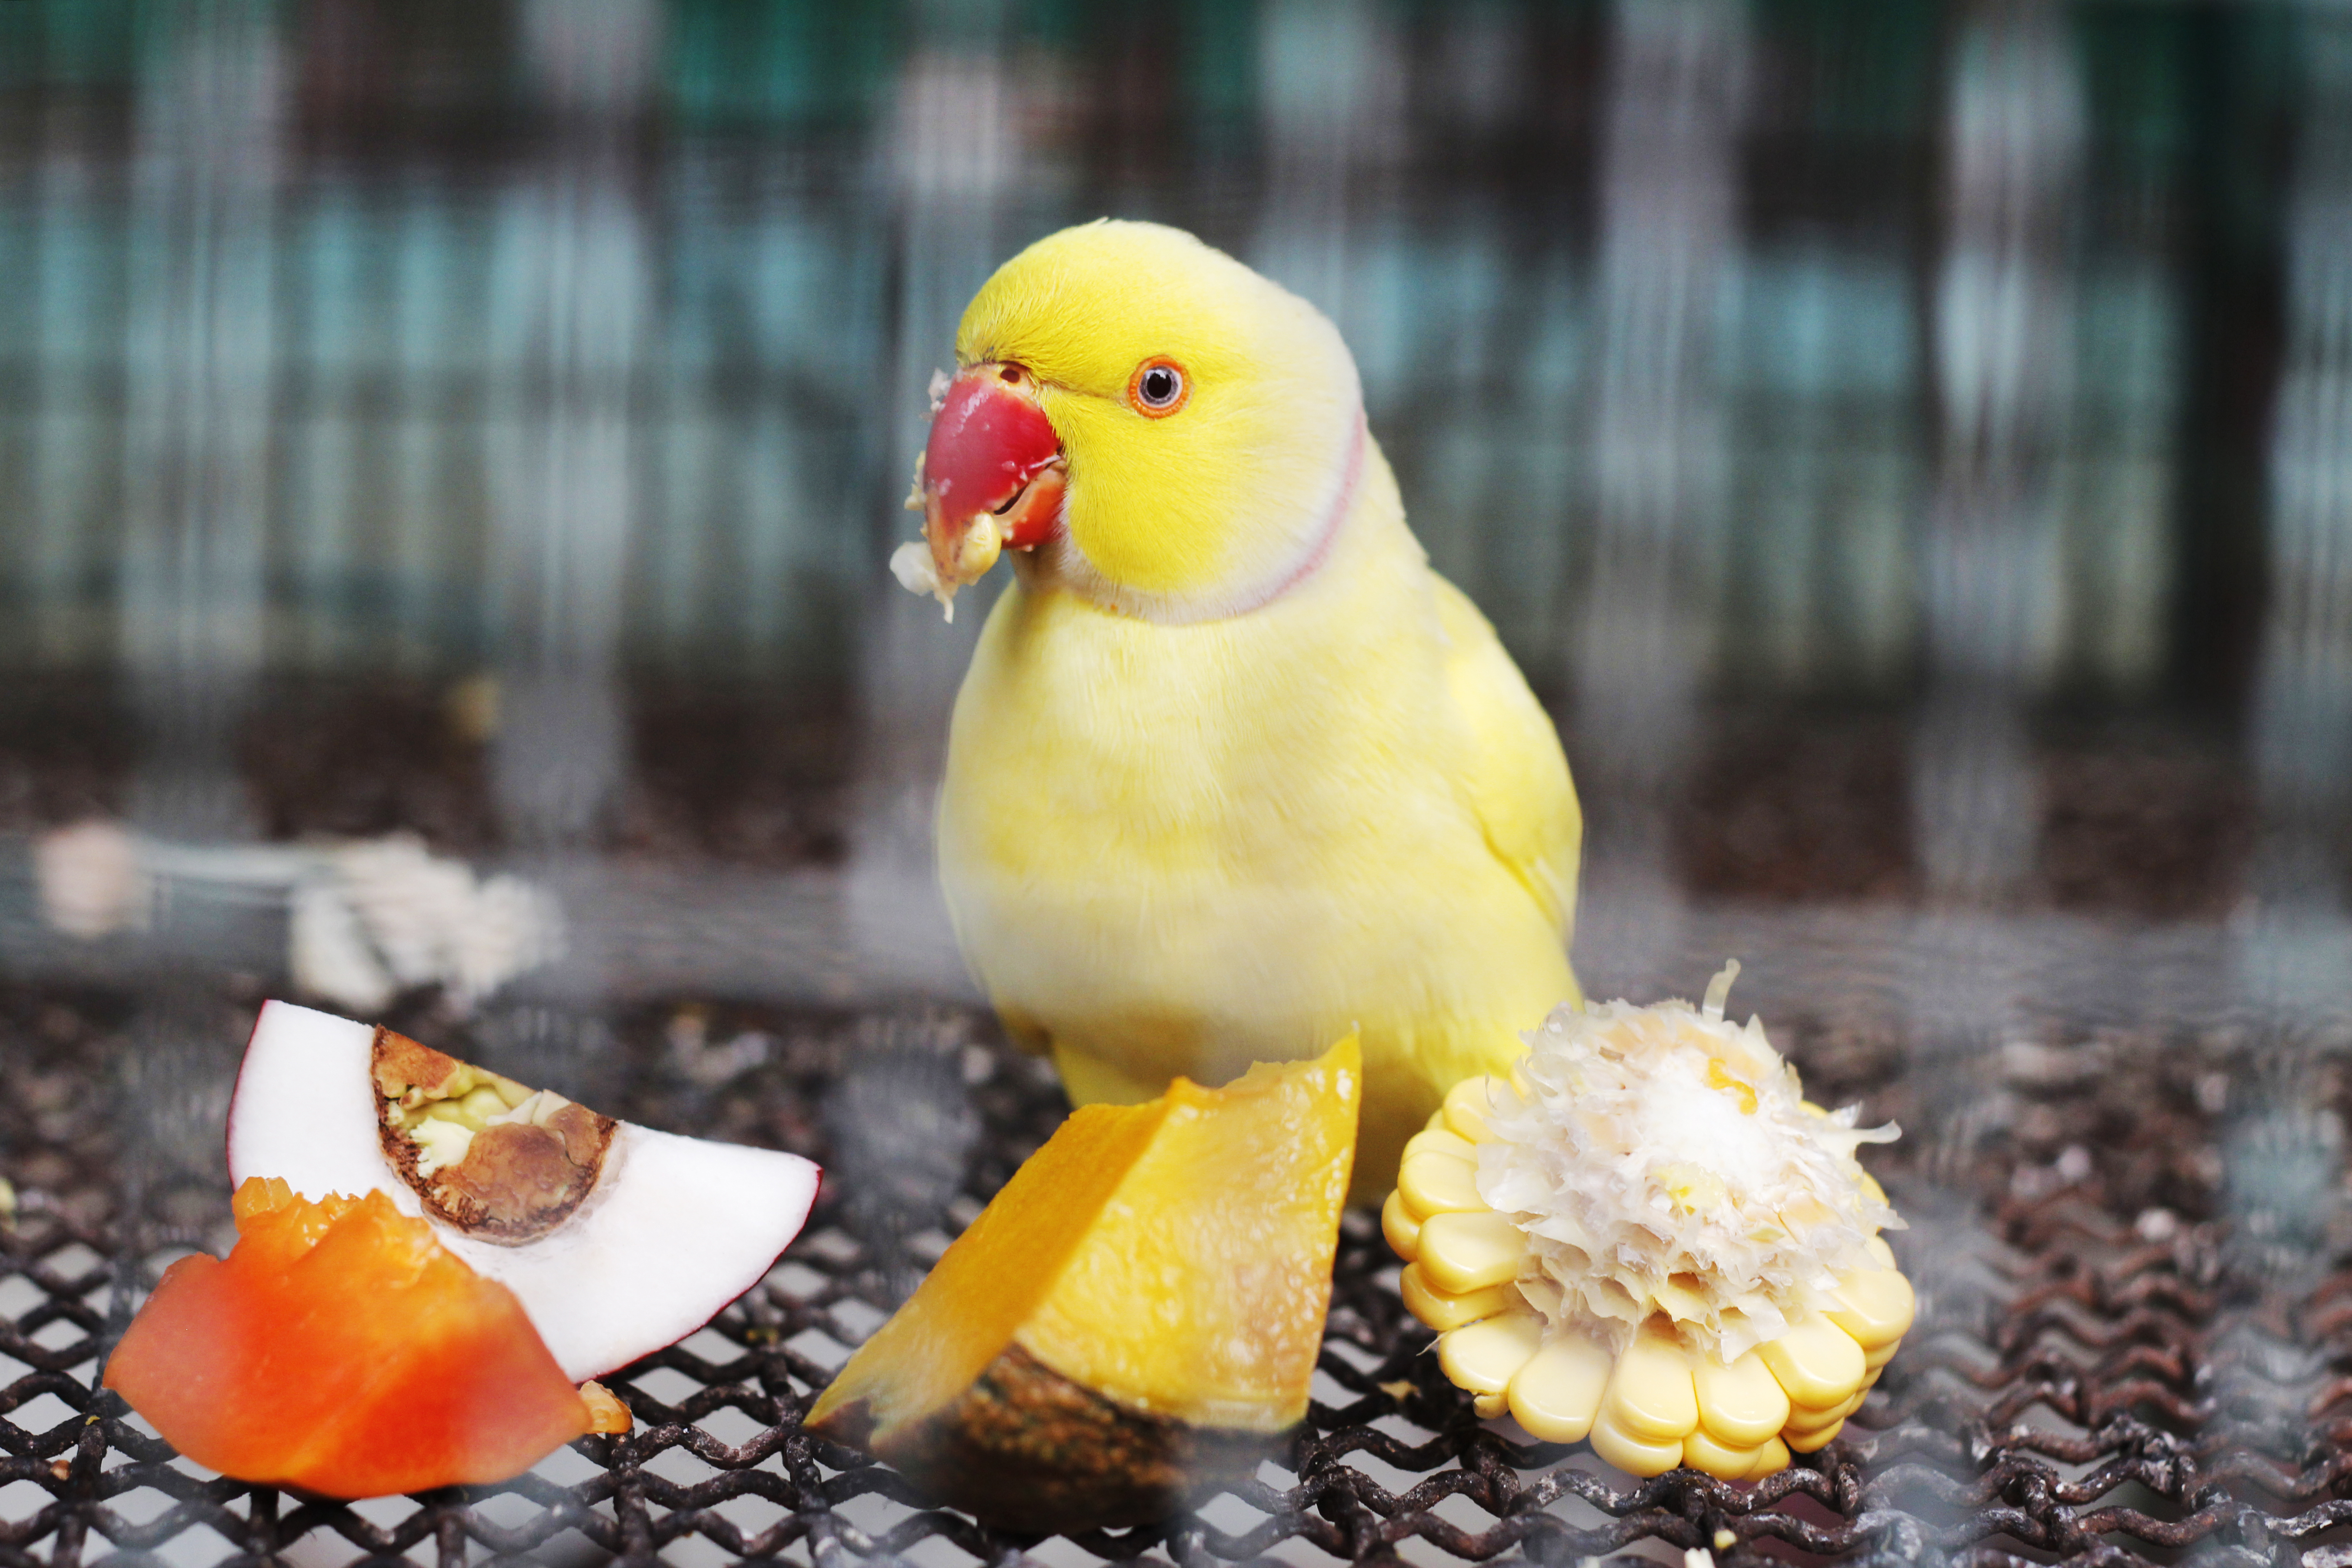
(617, 1240)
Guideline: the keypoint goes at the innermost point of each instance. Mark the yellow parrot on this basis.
(1233, 771)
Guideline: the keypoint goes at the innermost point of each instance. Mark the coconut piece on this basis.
(500, 1162)
(617, 1240)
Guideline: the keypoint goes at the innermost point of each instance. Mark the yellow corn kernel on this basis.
(1630, 1454)
(1470, 1251)
(1555, 1395)
(1484, 1356)
(1816, 1361)
(1806, 1424)
(1443, 1311)
(1651, 1397)
(1812, 1442)
(1401, 1228)
(1439, 1184)
(1818, 1426)
(1702, 1452)
(1874, 1306)
(1469, 1103)
(1438, 1141)
(1740, 1405)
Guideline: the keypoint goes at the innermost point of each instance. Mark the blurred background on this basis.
(448, 453)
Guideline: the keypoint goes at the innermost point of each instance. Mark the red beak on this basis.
(992, 473)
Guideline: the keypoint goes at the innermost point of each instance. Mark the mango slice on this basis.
(1139, 1308)
(342, 1349)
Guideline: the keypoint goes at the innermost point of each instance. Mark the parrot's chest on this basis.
(1142, 813)
(1163, 765)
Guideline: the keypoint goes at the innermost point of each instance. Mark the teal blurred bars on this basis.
(286, 271)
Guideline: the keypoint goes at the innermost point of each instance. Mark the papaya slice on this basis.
(1138, 1310)
(341, 1350)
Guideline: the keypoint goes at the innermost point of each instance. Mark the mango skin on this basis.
(1138, 1311)
(1026, 1449)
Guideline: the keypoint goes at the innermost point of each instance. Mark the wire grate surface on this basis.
(2135, 1354)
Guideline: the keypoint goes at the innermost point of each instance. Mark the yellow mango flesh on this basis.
(1173, 1256)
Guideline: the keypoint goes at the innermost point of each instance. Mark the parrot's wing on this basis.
(1514, 775)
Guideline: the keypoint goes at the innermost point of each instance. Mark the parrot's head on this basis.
(1155, 425)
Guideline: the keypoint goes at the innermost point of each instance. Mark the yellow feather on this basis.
(1182, 848)
(1515, 776)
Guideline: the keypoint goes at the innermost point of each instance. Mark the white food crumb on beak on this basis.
(911, 563)
(941, 382)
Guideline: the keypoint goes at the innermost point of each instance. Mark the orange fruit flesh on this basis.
(1175, 1256)
(342, 1349)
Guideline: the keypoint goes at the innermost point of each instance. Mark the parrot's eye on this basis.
(1157, 388)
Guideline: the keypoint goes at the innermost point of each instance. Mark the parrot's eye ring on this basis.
(1158, 388)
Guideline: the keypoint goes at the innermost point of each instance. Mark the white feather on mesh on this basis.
(366, 917)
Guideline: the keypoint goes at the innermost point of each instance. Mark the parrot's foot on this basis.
(1716, 1352)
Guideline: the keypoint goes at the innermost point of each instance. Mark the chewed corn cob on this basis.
(1647, 1237)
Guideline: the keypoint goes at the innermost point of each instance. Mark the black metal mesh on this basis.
(2129, 1344)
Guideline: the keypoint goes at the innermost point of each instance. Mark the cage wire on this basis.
(2140, 1355)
